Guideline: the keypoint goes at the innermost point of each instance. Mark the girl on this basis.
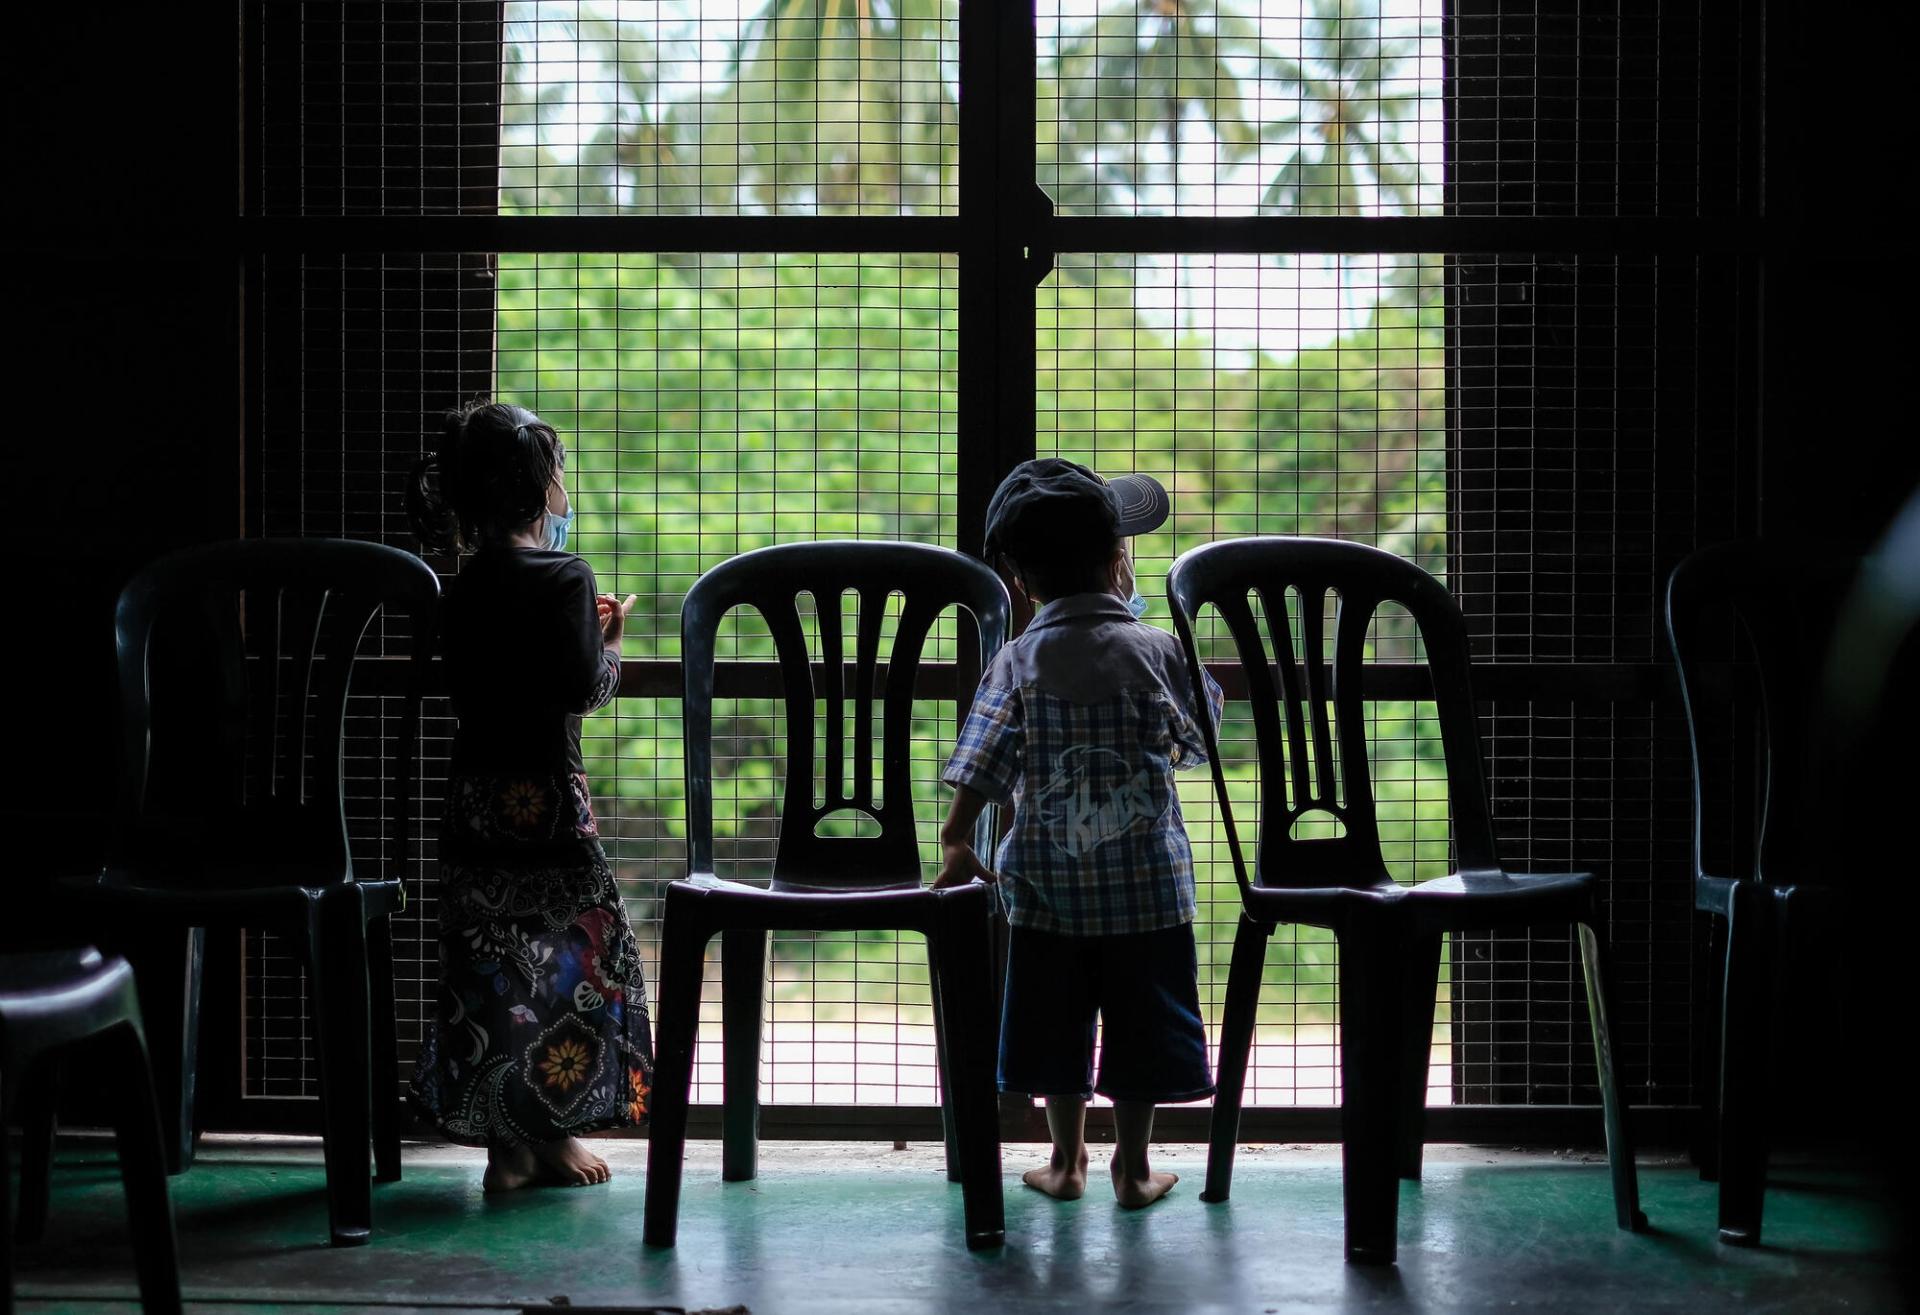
(542, 1031)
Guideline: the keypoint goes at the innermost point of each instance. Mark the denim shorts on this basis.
(1144, 988)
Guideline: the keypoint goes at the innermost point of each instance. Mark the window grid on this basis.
(1556, 546)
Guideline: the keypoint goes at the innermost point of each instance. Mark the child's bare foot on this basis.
(1061, 1180)
(509, 1168)
(568, 1163)
(1138, 1193)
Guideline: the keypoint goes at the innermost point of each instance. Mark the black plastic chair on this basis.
(57, 1007)
(271, 849)
(827, 882)
(1783, 603)
(1389, 935)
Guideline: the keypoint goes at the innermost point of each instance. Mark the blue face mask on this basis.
(1137, 605)
(557, 527)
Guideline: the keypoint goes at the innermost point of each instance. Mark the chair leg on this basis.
(337, 971)
(683, 952)
(1626, 1179)
(143, 1169)
(1244, 970)
(743, 976)
(167, 966)
(1705, 1150)
(6, 1191)
(1746, 1036)
(1422, 989)
(38, 1103)
(942, 1054)
(1372, 966)
(383, 1015)
(961, 957)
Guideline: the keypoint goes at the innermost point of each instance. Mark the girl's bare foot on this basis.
(509, 1168)
(1137, 1193)
(569, 1163)
(1061, 1179)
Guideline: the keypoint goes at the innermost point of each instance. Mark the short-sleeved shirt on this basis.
(1080, 724)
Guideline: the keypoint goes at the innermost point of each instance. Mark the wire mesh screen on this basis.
(716, 403)
(1624, 375)
(1608, 109)
(1295, 1058)
(352, 355)
(366, 109)
(1271, 395)
(689, 108)
(1603, 790)
(1494, 417)
(279, 1054)
(1323, 107)
(711, 405)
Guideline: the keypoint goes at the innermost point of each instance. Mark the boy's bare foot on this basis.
(1138, 1193)
(1059, 1179)
(568, 1163)
(509, 1168)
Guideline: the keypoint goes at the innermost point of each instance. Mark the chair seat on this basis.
(887, 907)
(1457, 902)
(137, 894)
(64, 995)
(1466, 900)
(33, 971)
(1333, 907)
(57, 1007)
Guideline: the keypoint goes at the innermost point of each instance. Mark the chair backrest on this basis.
(1308, 706)
(278, 623)
(771, 581)
(1782, 602)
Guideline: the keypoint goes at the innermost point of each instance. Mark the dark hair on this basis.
(494, 467)
(1068, 549)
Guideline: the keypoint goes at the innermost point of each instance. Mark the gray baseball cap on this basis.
(1069, 494)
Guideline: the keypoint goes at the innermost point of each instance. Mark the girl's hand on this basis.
(959, 865)
(613, 615)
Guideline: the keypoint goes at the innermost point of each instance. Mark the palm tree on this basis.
(1137, 90)
(626, 161)
(1144, 80)
(1148, 81)
(834, 106)
(831, 106)
(1347, 155)
(1345, 140)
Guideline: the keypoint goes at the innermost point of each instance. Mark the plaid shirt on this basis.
(1080, 723)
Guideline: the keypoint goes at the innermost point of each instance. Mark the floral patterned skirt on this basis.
(541, 1030)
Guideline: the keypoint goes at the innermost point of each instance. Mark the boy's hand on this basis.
(959, 865)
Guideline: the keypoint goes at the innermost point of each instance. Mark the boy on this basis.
(1080, 723)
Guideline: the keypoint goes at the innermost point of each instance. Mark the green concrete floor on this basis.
(864, 1229)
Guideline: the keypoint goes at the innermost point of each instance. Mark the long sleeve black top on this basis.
(525, 659)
